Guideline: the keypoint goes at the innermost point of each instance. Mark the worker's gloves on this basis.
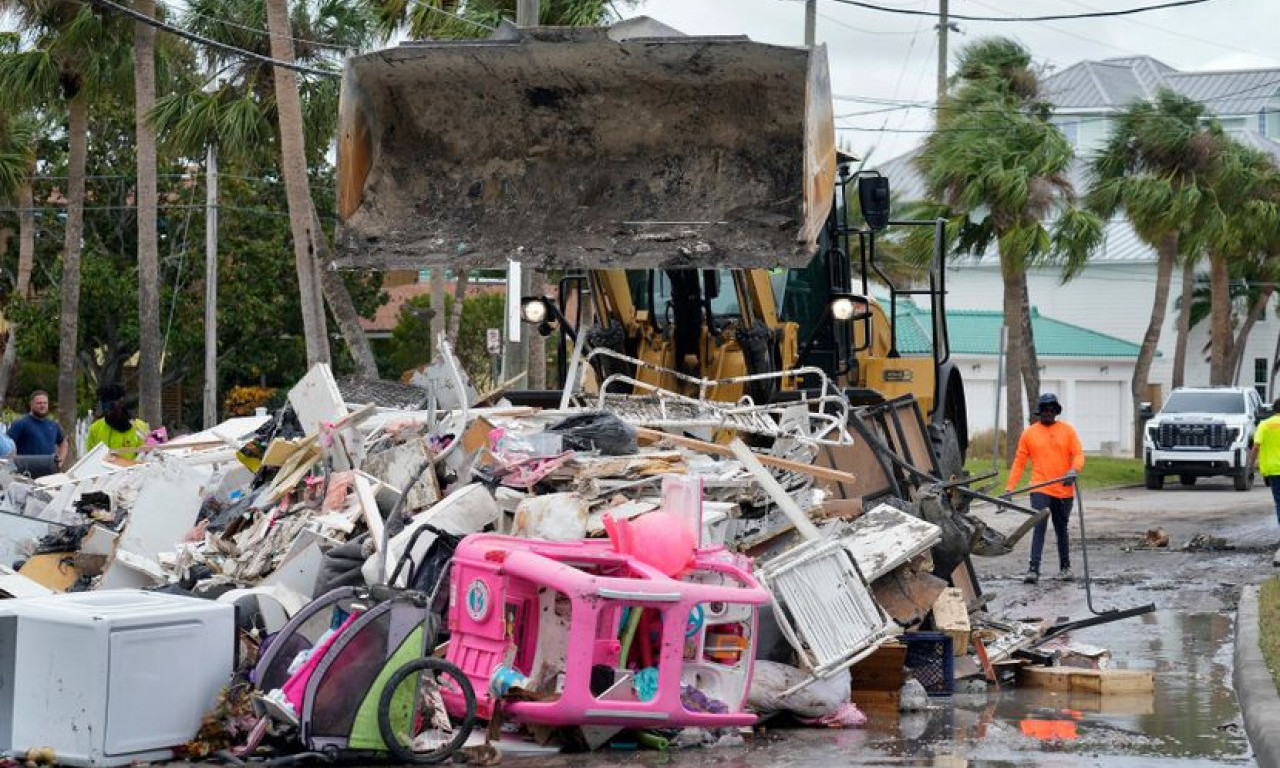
(1070, 478)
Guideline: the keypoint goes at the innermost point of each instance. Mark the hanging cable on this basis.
(1050, 17)
(201, 40)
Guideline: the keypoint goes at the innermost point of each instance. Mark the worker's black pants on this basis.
(1059, 513)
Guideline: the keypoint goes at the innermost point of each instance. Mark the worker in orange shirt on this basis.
(1053, 447)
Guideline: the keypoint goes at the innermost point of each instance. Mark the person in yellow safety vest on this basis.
(117, 428)
(1266, 452)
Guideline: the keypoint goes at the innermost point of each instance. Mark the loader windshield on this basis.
(652, 290)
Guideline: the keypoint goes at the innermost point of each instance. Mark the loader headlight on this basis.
(847, 306)
(534, 310)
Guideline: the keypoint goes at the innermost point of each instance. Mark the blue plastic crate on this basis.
(930, 661)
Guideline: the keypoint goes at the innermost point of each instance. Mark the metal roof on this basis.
(977, 332)
(1114, 83)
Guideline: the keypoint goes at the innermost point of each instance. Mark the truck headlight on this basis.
(1152, 432)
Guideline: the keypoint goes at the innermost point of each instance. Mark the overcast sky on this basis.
(890, 56)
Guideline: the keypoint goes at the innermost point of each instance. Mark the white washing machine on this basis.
(111, 677)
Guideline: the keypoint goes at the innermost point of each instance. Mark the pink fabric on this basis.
(296, 686)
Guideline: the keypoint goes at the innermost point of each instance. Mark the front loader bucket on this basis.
(584, 147)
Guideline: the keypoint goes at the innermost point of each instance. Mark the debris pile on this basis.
(573, 577)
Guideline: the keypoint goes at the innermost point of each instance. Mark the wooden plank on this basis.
(1105, 682)
(951, 615)
(822, 473)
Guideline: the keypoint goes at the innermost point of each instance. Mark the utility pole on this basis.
(943, 25)
(531, 357)
(211, 288)
(527, 13)
(811, 21)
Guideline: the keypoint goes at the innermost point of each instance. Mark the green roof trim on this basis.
(977, 332)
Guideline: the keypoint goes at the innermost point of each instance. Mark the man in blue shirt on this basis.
(36, 434)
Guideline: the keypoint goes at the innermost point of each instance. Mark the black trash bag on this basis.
(597, 431)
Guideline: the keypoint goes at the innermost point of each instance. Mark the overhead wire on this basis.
(454, 16)
(1216, 44)
(188, 10)
(1048, 17)
(207, 41)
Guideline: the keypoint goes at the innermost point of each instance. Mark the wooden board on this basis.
(882, 670)
(49, 570)
(951, 615)
(1105, 682)
(906, 595)
(703, 446)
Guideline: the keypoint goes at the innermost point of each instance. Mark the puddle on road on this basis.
(1191, 720)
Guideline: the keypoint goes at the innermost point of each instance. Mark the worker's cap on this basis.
(1050, 401)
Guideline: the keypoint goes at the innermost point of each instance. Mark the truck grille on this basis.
(1209, 436)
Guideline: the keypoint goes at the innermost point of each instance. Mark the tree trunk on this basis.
(149, 338)
(1030, 361)
(22, 286)
(340, 303)
(69, 319)
(1220, 352)
(1242, 336)
(459, 299)
(1184, 322)
(293, 164)
(438, 312)
(1165, 256)
(1013, 357)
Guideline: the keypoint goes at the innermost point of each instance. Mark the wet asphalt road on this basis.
(1191, 720)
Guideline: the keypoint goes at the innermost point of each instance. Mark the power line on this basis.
(200, 39)
(1051, 17)
(1176, 33)
(258, 30)
(454, 16)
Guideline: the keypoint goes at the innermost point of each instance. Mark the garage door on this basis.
(1097, 414)
(979, 399)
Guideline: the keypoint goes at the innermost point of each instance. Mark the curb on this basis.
(1255, 688)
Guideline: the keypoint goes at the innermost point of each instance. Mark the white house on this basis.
(1088, 371)
(1114, 293)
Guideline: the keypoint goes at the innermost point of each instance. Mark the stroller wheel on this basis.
(411, 715)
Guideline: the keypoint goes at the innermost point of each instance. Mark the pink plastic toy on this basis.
(553, 610)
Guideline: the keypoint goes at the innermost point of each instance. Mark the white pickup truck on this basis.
(1203, 432)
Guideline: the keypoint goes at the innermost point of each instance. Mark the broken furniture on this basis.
(110, 678)
(513, 602)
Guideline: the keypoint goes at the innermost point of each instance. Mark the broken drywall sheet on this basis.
(885, 538)
(316, 399)
(398, 467)
(165, 509)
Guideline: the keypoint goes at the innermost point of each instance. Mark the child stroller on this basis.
(356, 667)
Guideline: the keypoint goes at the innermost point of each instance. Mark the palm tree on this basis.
(1242, 226)
(237, 107)
(1157, 166)
(149, 339)
(75, 54)
(17, 164)
(998, 168)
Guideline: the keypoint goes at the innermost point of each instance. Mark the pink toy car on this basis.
(583, 622)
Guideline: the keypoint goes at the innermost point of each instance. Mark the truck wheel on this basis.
(1242, 479)
(1187, 480)
(1155, 480)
